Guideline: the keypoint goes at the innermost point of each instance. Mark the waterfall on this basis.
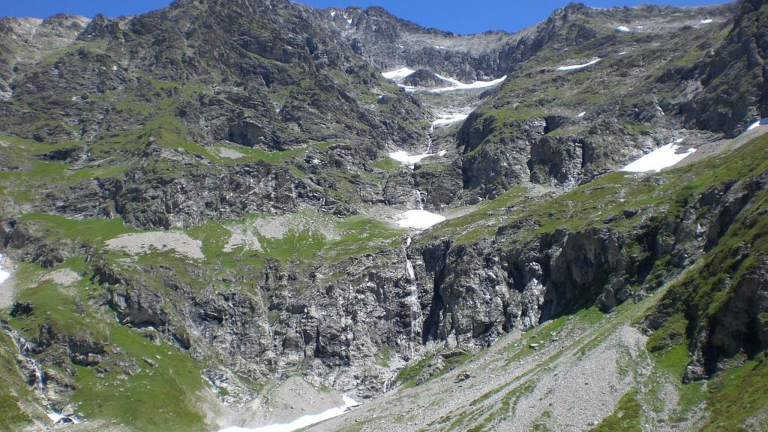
(419, 202)
(413, 299)
(429, 138)
(24, 351)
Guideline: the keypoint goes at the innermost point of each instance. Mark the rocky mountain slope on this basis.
(200, 212)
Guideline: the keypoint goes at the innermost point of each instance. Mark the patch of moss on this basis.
(626, 417)
(737, 395)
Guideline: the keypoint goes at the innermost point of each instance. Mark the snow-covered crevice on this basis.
(663, 157)
(578, 66)
(303, 421)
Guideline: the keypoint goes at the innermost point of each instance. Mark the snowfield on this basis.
(301, 422)
(662, 157)
(419, 219)
(579, 66)
(406, 159)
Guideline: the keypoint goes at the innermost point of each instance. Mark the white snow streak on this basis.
(398, 74)
(705, 22)
(301, 422)
(622, 29)
(754, 125)
(419, 219)
(471, 86)
(662, 157)
(580, 66)
(582, 114)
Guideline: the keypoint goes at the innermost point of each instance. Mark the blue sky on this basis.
(459, 16)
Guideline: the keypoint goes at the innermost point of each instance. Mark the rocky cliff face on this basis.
(733, 76)
(207, 188)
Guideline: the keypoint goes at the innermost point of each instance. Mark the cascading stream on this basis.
(25, 350)
(419, 202)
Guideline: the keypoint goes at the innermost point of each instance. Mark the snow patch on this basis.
(301, 422)
(582, 114)
(406, 159)
(622, 29)
(662, 157)
(449, 118)
(398, 74)
(754, 125)
(4, 273)
(705, 22)
(579, 66)
(419, 219)
(56, 417)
